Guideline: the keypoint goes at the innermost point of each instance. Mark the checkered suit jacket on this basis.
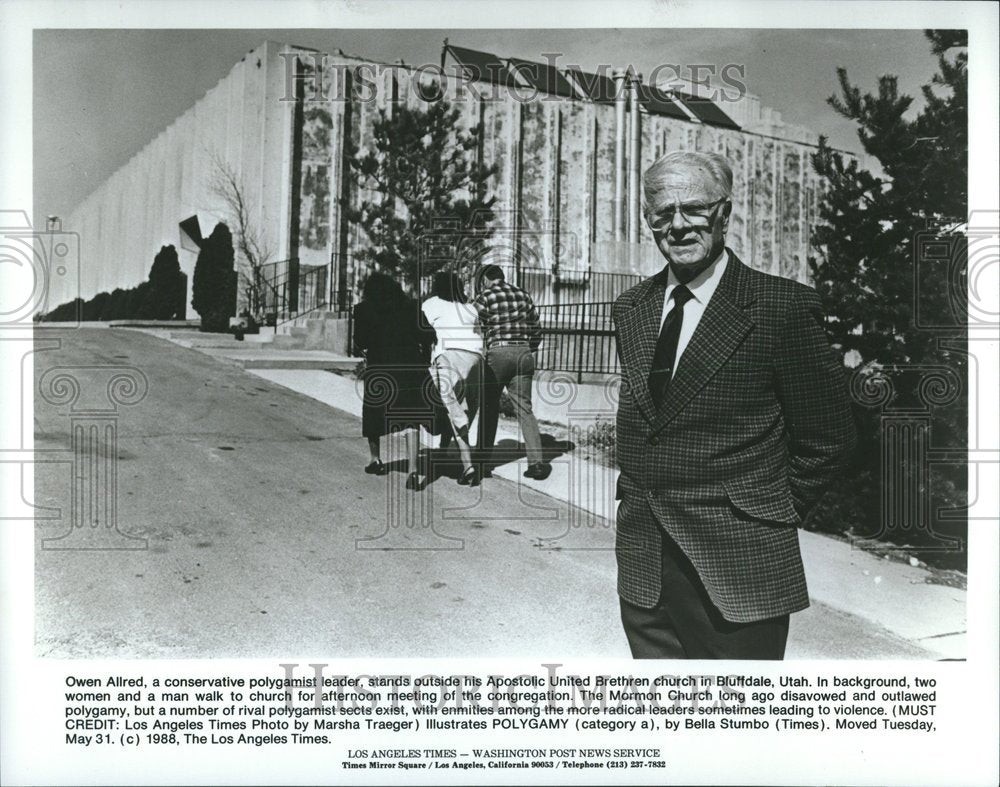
(755, 424)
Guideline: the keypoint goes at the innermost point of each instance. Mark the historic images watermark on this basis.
(952, 268)
(41, 268)
(38, 269)
(94, 396)
(324, 78)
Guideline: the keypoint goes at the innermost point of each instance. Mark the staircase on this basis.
(317, 330)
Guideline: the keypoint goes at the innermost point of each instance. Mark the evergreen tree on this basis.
(425, 168)
(213, 293)
(167, 284)
(888, 308)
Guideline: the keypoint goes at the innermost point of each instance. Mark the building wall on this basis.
(556, 175)
(555, 179)
(243, 122)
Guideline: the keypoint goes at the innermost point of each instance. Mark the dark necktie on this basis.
(666, 345)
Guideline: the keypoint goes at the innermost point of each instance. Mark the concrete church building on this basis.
(570, 148)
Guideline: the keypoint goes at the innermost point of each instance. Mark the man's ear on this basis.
(727, 211)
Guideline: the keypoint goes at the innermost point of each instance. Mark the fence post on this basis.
(329, 298)
(581, 326)
(293, 285)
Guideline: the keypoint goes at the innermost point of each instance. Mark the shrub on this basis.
(163, 298)
(214, 286)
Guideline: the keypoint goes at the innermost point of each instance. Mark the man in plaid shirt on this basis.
(510, 326)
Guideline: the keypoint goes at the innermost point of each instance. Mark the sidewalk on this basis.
(896, 598)
(249, 354)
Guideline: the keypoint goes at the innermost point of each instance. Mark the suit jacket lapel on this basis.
(722, 328)
(639, 330)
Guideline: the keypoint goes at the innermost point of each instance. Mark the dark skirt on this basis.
(400, 397)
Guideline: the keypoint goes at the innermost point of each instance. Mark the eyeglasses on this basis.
(690, 211)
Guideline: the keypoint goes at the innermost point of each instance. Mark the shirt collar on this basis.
(705, 283)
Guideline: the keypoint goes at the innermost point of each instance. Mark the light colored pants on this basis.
(456, 374)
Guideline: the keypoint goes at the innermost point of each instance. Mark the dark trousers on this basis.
(686, 625)
(489, 410)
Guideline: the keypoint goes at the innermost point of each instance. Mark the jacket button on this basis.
(654, 440)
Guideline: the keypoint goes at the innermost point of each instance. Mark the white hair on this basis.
(713, 164)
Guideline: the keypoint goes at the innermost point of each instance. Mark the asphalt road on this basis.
(254, 532)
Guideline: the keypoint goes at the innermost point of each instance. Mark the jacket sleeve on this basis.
(482, 310)
(812, 389)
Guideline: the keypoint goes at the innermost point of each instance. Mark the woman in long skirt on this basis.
(388, 332)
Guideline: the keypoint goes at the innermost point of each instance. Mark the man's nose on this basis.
(678, 221)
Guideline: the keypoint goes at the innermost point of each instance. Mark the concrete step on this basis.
(295, 359)
(199, 341)
(205, 334)
(187, 325)
(288, 341)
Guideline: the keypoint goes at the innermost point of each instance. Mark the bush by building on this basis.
(161, 297)
(214, 287)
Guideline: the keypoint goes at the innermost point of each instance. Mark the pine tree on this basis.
(888, 311)
(163, 296)
(426, 170)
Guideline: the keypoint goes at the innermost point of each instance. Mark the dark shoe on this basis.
(414, 482)
(376, 468)
(469, 478)
(539, 471)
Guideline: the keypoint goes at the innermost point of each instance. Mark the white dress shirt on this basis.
(702, 287)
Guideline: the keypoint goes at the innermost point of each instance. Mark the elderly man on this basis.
(733, 418)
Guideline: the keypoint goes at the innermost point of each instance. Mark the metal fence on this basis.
(561, 286)
(574, 306)
(281, 291)
(577, 338)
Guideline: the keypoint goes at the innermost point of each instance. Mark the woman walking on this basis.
(456, 361)
(388, 334)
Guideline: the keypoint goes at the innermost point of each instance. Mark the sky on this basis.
(101, 95)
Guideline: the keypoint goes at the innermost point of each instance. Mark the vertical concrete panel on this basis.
(335, 187)
(774, 208)
(276, 154)
(750, 248)
(533, 171)
(169, 204)
(273, 159)
(366, 115)
(574, 184)
(763, 202)
(497, 152)
(605, 173)
(185, 131)
(588, 186)
(314, 227)
(134, 223)
(736, 154)
(792, 256)
(650, 144)
(551, 144)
